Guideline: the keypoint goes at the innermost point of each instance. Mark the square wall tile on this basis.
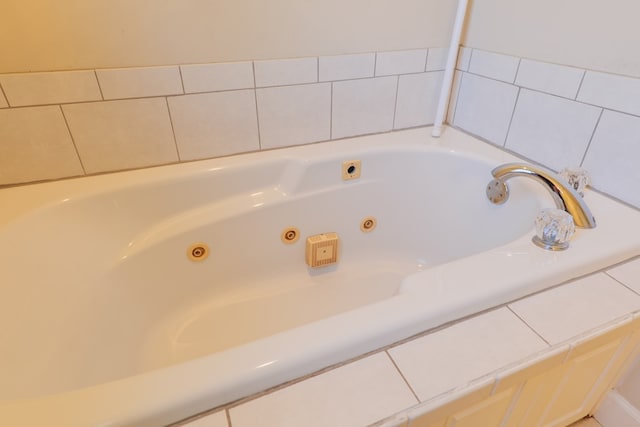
(494, 65)
(214, 124)
(550, 78)
(139, 82)
(118, 135)
(551, 130)
(50, 88)
(344, 67)
(612, 158)
(437, 59)
(610, 91)
(461, 353)
(400, 62)
(628, 274)
(363, 106)
(218, 419)
(417, 99)
(356, 394)
(286, 72)
(292, 115)
(484, 107)
(567, 311)
(36, 145)
(216, 77)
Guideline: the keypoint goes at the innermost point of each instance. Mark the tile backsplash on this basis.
(554, 115)
(70, 123)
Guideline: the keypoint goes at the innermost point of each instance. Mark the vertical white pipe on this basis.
(450, 67)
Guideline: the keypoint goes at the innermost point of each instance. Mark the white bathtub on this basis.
(105, 321)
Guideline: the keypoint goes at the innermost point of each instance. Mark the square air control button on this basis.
(322, 250)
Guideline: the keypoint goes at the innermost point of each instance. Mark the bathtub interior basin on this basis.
(98, 287)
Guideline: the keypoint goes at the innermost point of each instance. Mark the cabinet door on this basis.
(580, 379)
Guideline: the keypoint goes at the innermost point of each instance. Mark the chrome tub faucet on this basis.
(565, 197)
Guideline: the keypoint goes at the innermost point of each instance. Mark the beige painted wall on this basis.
(38, 35)
(592, 34)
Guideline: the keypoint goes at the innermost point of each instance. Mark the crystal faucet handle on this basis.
(578, 178)
(554, 228)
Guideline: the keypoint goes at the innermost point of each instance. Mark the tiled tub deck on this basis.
(543, 360)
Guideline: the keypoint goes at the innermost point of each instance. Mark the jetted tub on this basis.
(106, 320)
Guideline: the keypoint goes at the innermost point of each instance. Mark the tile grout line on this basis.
(418, 401)
(73, 140)
(228, 414)
(513, 114)
(621, 283)
(395, 104)
(95, 73)
(515, 77)
(184, 92)
(255, 100)
(584, 75)
(4, 95)
(331, 114)
(529, 326)
(173, 130)
(593, 134)
(460, 86)
(375, 64)
(426, 60)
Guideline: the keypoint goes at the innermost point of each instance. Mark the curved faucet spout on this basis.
(565, 197)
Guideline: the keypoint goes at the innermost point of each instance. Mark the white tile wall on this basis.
(401, 62)
(139, 82)
(214, 124)
(292, 115)
(553, 122)
(286, 72)
(363, 106)
(611, 91)
(345, 67)
(564, 312)
(483, 104)
(494, 65)
(437, 59)
(218, 419)
(356, 394)
(551, 130)
(612, 159)
(484, 107)
(550, 78)
(445, 359)
(50, 88)
(417, 99)
(217, 77)
(116, 135)
(36, 145)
